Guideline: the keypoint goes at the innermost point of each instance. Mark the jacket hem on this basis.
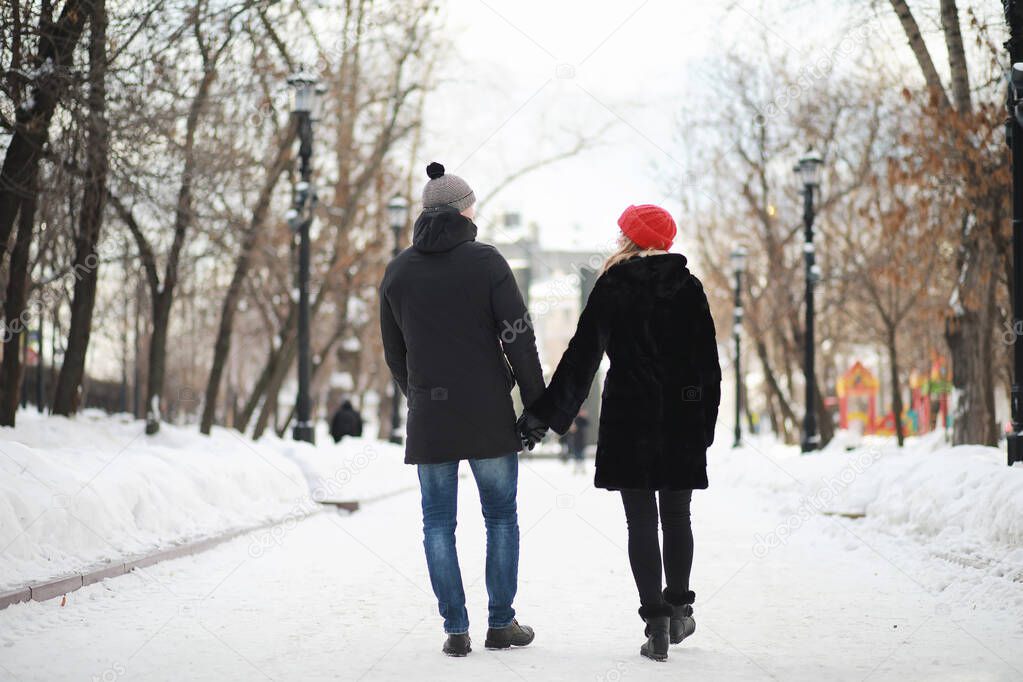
(460, 457)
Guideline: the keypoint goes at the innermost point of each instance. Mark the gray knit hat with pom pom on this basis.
(446, 190)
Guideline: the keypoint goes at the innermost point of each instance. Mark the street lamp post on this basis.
(738, 258)
(809, 171)
(300, 217)
(397, 212)
(1014, 138)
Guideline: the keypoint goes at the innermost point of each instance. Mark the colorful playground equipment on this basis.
(857, 384)
(858, 388)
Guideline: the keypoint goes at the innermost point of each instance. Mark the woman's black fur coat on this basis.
(661, 394)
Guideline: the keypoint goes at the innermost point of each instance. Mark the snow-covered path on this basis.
(347, 597)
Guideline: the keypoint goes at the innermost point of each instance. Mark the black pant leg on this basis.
(644, 547)
(678, 540)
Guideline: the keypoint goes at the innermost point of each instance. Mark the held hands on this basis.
(531, 429)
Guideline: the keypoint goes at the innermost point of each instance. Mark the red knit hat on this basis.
(649, 226)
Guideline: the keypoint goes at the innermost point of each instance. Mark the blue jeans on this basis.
(497, 481)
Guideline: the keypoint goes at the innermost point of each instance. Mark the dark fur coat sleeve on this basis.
(570, 385)
(705, 350)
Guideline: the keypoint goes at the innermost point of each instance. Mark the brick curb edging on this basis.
(59, 586)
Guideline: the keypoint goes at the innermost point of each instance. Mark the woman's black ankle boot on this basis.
(658, 623)
(656, 646)
(682, 622)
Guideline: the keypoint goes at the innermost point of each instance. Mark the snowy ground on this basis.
(77, 493)
(927, 585)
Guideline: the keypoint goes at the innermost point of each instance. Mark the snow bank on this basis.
(965, 494)
(966, 490)
(77, 492)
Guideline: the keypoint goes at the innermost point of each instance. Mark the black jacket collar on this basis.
(441, 229)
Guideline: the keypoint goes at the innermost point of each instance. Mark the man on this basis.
(457, 338)
(346, 422)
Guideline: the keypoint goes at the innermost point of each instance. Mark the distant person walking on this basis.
(346, 422)
(660, 405)
(577, 441)
(457, 338)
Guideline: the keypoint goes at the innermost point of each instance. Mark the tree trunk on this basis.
(86, 264)
(15, 313)
(787, 414)
(286, 358)
(222, 346)
(777, 425)
(269, 368)
(157, 359)
(893, 366)
(244, 415)
(920, 51)
(968, 333)
(973, 422)
(956, 57)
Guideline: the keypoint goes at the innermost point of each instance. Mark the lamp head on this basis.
(305, 85)
(397, 211)
(809, 168)
(738, 258)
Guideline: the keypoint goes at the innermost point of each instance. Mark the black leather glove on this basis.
(531, 429)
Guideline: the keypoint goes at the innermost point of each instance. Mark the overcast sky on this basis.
(526, 78)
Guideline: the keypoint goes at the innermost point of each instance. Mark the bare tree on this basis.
(972, 307)
(162, 288)
(229, 306)
(45, 76)
(86, 259)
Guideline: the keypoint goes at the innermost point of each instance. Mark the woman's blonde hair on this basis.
(626, 249)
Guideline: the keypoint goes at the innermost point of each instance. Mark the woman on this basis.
(660, 404)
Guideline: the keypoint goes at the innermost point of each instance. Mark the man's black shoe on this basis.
(509, 636)
(458, 645)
